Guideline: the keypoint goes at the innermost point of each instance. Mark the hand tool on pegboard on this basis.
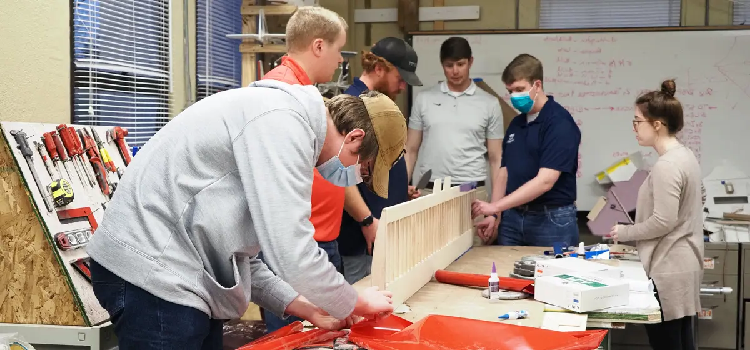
(23, 145)
(56, 150)
(117, 134)
(106, 159)
(83, 212)
(53, 174)
(83, 266)
(92, 153)
(61, 189)
(73, 239)
(81, 155)
(72, 151)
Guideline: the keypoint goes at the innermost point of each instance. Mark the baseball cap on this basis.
(390, 132)
(400, 54)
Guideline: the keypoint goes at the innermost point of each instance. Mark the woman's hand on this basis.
(613, 233)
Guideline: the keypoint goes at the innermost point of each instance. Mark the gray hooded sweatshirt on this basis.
(227, 178)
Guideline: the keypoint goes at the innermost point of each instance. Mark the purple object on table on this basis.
(468, 186)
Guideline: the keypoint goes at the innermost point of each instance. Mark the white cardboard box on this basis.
(581, 292)
(574, 265)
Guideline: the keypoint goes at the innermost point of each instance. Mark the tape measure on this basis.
(62, 192)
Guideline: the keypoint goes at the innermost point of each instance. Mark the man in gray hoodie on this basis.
(228, 177)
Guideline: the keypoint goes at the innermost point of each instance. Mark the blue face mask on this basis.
(522, 101)
(336, 173)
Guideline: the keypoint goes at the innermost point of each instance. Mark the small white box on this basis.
(573, 266)
(581, 293)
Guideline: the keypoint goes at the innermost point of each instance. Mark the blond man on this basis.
(176, 253)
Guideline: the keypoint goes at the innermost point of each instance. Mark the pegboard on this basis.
(36, 268)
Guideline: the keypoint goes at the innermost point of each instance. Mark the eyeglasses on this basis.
(635, 124)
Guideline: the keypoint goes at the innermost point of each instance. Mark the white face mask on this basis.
(336, 173)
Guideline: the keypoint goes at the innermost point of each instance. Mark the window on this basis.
(741, 12)
(218, 59)
(569, 14)
(121, 73)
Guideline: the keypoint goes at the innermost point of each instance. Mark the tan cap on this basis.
(390, 132)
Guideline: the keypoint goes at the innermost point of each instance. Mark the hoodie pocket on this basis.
(229, 303)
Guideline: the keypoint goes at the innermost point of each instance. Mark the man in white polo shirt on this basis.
(454, 127)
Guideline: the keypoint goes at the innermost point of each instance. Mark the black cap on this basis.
(401, 55)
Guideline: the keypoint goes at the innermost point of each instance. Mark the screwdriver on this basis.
(78, 141)
(23, 145)
(63, 154)
(99, 171)
(47, 162)
(106, 159)
(70, 146)
(49, 143)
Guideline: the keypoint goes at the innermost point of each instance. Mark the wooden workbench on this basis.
(451, 300)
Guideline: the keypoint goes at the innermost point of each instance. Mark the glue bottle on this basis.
(514, 315)
(581, 251)
(494, 284)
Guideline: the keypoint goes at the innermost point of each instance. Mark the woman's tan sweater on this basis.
(668, 231)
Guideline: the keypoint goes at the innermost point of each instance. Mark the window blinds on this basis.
(218, 59)
(121, 74)
(569, 14)
(741, 12)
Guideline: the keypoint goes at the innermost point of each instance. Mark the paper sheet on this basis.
(564, 321)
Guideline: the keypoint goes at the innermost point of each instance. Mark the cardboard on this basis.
(561, 266)
(581, 292)
(508, 112)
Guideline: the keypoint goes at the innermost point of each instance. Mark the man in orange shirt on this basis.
(306, 65)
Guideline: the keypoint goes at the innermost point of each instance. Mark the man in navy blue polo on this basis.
(537, 191)
(387, 68)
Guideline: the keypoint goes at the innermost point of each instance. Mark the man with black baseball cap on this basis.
(390, 65)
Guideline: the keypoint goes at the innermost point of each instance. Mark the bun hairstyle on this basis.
(663, 107)
(668, 87)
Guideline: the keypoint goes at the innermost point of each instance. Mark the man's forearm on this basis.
(499, 181)
(355, 205)
(411, 160)
(302, 308)
(524, 194)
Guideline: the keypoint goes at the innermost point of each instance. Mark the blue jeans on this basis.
(273, 322)
(541, 227)
(143, 321)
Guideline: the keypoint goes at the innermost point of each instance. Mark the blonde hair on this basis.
(370, 61)
(313, 22)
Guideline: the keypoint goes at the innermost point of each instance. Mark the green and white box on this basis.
(551, 267)
(581, 292)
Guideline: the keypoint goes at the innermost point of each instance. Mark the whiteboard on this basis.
(598, 75)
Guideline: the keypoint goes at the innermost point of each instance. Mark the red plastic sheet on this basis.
(446, 332)
(477, 280)
(291, 337)
(432, 333)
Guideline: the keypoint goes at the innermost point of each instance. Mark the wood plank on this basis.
(249, 67)
(272, 10)
(252, 48)
(438, 25)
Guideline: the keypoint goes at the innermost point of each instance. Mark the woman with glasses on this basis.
(668, 228)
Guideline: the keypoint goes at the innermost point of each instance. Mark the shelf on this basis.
(258, 48)
(268, 10)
